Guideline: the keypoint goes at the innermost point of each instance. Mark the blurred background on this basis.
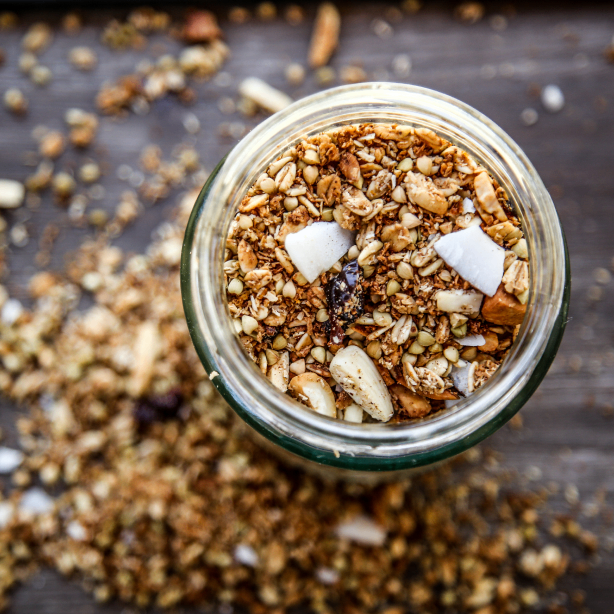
(111, 117)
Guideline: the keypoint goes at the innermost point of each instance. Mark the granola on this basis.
(430, 294)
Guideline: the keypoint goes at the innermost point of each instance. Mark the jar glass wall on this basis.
(374, 447)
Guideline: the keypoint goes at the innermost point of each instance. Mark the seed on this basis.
(262, 362)
(374, 349)
(311, 157)
(416, 348)
(409, 220)
(520, 249)
(235, 286)
(271, 356)
(405, 270)
(368, 270)
(280, 342)
(438, 365)
(298, 367)
(457, 319)
(392, 287)
(469, 353)
(304, 341)
(289, 290)
(367, 252)
(245, 222)
(322, 315)
(382, 318)
(451, 354)
(353, 252)
(445, 275)
(267, 185)
(300, 279)
(327, 215)
(398, 195)
(319, 354)
(425, 339)
(410, 358)
(310, 174)
(424, 165)
(431, 268)
(237, 325)
(459, 331)
(279, 286)
(436, 348)
(405, 165)
(248, 324)
(290, 203)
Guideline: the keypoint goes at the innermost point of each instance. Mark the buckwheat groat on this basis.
(375, 272)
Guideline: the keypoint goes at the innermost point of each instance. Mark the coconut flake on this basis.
(36, 501)
(459, 301)
(9, 459)
(472, 340)
(468, 206)
(362, 530)
(474, 256)
(463, 378)
(246, 555)
(11, 310)
(316, 248)
(7, 511)
(76, 531)
(326, 575)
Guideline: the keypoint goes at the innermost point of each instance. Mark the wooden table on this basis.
(568, 425)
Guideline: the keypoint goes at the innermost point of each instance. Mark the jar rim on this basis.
(233, 372)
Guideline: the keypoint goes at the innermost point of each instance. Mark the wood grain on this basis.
(569, 427)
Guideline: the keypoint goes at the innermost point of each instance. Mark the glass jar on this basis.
(374, 447)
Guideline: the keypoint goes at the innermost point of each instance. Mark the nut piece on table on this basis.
(200, 27)
(503, 309)
(355, 372)
(412, 405)
(325, 35)
(313, 391)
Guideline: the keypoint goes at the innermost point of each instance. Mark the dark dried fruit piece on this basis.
(157, 408)
(345, 300)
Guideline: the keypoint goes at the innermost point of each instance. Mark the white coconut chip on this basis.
(472, 340)
(316, 248)
(362, 530)
(9, 459)
(463, 378)
(246, 555)
(474, 256)
(468, 206)
(36, 501)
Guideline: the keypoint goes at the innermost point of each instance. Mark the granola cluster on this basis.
(406, 293)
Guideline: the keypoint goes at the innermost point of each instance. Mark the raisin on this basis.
(345, 300)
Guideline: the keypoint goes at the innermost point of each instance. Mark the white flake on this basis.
(76, 530)
(362, 530)
(316, 248)
(246, 555)
(7, 510)
(553, 98)
(474, 256)
(326, 575)
(11, 310)
(9, 459)
(472, 340)
(36, 501)
(468, 206)
(11, 193)
(463, 378)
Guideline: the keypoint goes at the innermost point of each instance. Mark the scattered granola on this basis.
(378, 258)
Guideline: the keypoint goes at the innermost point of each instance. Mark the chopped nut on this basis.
(325, 36)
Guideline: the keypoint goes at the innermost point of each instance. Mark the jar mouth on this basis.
(238, 378)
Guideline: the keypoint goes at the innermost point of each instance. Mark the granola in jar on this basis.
(376, 272)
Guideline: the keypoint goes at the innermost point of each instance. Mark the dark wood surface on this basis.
(568, 431)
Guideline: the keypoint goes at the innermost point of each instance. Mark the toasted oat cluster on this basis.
(376, 272)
